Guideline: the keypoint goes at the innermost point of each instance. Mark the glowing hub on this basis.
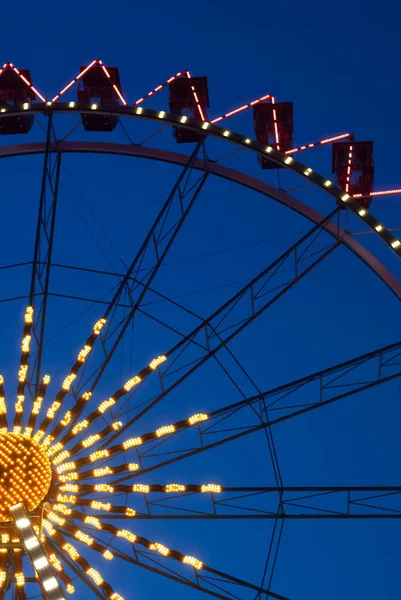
(25, 473)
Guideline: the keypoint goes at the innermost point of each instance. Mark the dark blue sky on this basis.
(338, 64)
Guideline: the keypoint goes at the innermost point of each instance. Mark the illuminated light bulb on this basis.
(205, 125)
(62, 456)
(175, 487)
(94, 106)
(93, 521)
(130, 512)
(37, 405)
(67, 418)
(26, 343)
(48, 103)
(70, 588)
(105, 405)
(63, 509)
(29, 315)
(117, 425)
(161, 549)
(194, 562)
(22, 373)
(31, 543)
(55, 562)
(308, 171)
(70, 487)
(20, 579)
(68, 381)
(289, 160)
(66, 499)
(86, 396)
(19, 405)
(83, 537)
(79, 427)
(157, 361)
(161, 114)
(226, 133)
(46, 380)
(84, 353)
(131, 443)
(40, 563)
(38, 435)
(108, 555)
(115, 596)
(53, 409)
(131, 383)
(268, 149)
(98, 326)
(379, 228)
(3, 110)
(139, 110)
(211, 487)
(197, 418)
(247, 141)
(103, 487)
(68, 477)
(71, 551)
(71, 104)
(127, 535)
(99, 454)
(164, 430)
(395, 244)
(95, 575)
(140, 487)
(327, 183)
(133, 466)
(345, 197)
(49, 527)
(92, 439)
(54, 449)
(56, 519)
(102, 472)
(362, 212)
(50, 584)
(183, 119)
(100, 505)
(47, 441)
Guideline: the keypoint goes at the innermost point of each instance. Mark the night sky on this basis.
(338, 64)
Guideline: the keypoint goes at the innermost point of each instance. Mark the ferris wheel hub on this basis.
(25, 473)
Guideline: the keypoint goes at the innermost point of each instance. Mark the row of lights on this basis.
(338, 194)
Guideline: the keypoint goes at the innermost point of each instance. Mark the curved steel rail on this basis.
(220, 171)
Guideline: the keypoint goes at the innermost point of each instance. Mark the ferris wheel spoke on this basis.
(237, 313)
(159, 559)
(42, 256)
(137, 280)
(239, 419)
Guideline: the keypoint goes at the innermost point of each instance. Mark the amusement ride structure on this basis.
(65, 454)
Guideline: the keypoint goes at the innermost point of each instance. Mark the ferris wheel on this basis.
(79, 462)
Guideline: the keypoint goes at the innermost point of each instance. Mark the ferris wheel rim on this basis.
(205, 129)
(221, 171)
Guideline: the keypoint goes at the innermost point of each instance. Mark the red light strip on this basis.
(158, 88)
(383, 193)
(321, 143)
(241, 108)
(275, 124)
(195, 95)
(67, 87)
(113, 84)
(348, 169)
(24, 79)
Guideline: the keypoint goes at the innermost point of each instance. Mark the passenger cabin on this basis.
(270, 119)
(96, 88)
(14, 91)
(359, 179)
(190, 97)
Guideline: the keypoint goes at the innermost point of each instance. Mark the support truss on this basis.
(274, 406)
(41, 266)
(300, 502)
